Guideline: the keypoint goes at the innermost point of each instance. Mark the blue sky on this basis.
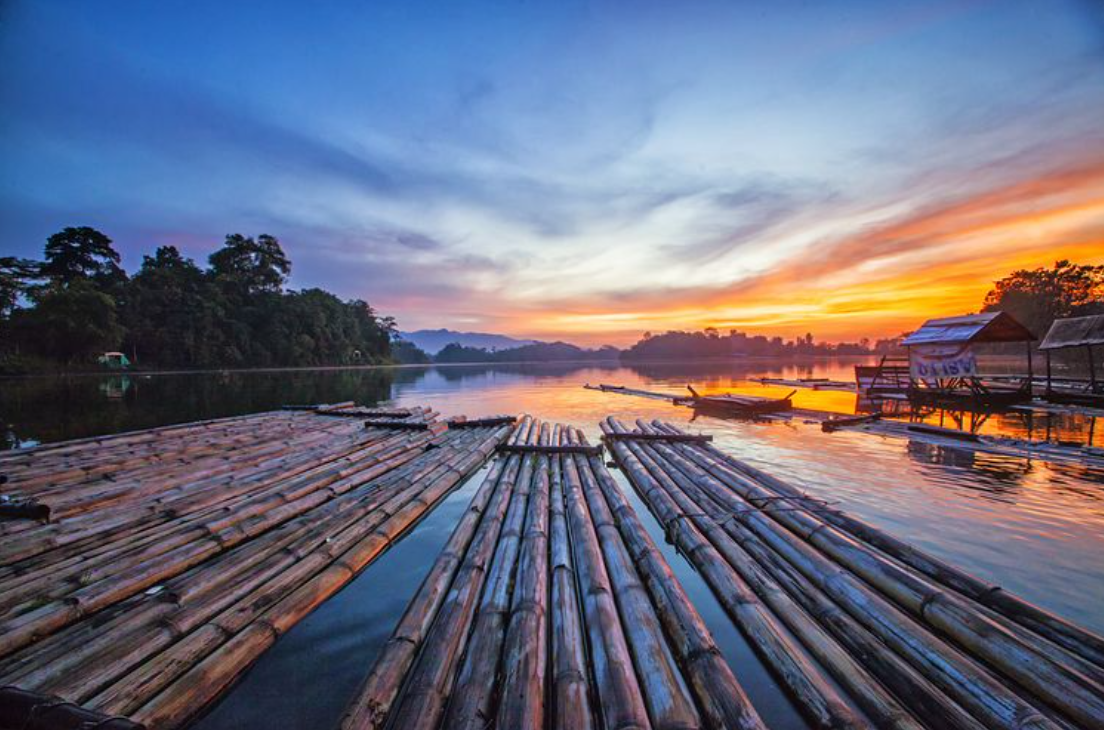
(577, 170)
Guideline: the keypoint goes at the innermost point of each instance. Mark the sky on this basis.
(573, 170)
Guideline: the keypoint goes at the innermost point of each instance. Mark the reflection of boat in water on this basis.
(735, 405)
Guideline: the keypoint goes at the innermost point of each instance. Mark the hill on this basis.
(433, 341)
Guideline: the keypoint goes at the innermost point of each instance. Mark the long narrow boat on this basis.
(735, 405)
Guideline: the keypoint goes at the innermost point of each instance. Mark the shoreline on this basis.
(400, 366)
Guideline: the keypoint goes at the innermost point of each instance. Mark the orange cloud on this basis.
(938, 260)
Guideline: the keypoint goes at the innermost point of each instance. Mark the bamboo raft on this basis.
(861, 628)
(1083, 455)
(175, 556)
(811, 383)
(550, 607)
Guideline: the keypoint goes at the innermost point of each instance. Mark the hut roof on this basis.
(984, 327)
(1075, 332)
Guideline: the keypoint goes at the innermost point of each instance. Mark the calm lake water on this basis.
(1035, 528)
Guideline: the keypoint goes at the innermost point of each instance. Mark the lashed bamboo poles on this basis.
(204, 681)
(666, 695)
(570, 681)
(141, 656)
(724, 703)
(1037, 666)
(195, 596)
(675, 507)
(954, 673)
(522, 701)
(478, 527)
(1074, 638)
(816, 697)
(151, 533)
(192, 545)
(431, 679)
(559, 614)
(965, 681)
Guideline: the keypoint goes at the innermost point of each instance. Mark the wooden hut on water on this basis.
(1075, 333)
(943, 365)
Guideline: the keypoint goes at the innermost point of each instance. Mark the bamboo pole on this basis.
(571, 691)
(666, 695)
(522, 700)
(815, 696)
(431, 678)
(723, 701)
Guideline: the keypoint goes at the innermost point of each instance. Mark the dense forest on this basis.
(77, 303)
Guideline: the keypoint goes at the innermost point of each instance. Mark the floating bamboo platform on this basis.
(174, 557)
(550, 607)
(810, 383)
(1054, 453)
(861, 628)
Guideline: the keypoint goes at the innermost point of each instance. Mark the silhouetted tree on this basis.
(1039, 296)
(82, 253)
(16, 277)
(251, 266)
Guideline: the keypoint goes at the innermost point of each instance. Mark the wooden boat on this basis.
(834, 424)
(736, 405)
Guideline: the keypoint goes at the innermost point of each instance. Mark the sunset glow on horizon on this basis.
(580, 172)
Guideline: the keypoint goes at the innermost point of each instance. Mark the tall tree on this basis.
(82, 253)
(16, 275)
(250, 266)
(1039, 296)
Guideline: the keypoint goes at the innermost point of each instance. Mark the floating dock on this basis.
(160, 564)
(550, 607)
(855, 622)
(174, 557)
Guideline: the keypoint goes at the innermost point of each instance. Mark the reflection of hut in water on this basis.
(990, 473)
(943, 363)
(1073, 334)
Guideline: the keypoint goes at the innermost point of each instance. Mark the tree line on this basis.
(1035, 297)
(78, 302)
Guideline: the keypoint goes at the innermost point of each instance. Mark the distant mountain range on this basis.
(433, 341)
